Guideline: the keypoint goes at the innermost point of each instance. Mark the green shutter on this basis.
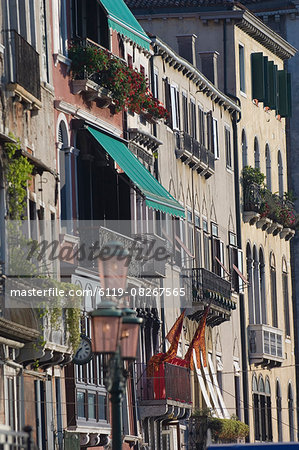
(283, 103)
(266, 82)
(257, 76)
(289, 87)
(272, 76)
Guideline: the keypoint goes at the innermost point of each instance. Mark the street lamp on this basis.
(115, 331)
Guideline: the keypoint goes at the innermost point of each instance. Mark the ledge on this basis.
(17, 332)
(24, 96)
(92, 91)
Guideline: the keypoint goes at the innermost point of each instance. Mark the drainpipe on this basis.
(239, 242)
(235, 121)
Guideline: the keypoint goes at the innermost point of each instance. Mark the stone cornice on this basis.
(191, 72)
(17, 332)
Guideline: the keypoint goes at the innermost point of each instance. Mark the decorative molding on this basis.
(79, 113)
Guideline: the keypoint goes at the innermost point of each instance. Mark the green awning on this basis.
(156, 196)
(121, 19)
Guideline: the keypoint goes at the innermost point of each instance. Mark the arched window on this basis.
(280, 174)
(249, 263)
(285, 291)
(256, 286)
(273, 290)
(268, 168)
(256, 154)
(262, 286)
(244, 149)
(262, 409)
(279, 411)
(291, 412)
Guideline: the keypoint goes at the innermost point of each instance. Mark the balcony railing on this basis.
(265, 343)
(191, 152)
(260, 200)
(206, 287)
(23, 63)
(170, 382)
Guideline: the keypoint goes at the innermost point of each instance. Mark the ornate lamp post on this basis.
(115, 332)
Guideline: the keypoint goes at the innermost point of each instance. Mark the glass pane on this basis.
(91, 406)
(80, 404)
(102, 410)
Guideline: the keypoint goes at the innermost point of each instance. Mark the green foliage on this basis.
(18, 172)
(225, 430)
(73, 326)
(128, 88)
(252, 175)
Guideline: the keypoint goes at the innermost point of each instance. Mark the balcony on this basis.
(23, 70)
(268, 211)
(191, 152)
(162, 395)
(204, 287)
(265, 344)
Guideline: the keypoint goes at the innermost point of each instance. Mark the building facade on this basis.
(240, 39)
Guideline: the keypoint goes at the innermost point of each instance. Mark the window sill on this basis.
(59, 57)
(229, 169)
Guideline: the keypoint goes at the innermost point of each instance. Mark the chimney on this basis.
(186, 45)
(209, 66)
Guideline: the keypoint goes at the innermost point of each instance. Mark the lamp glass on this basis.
(129, 340)
(105, 333)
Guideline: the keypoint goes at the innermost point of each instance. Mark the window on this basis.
(62, 27)
(197, 241)
(244, 149)
(210, 142)
(80, 404)
(233, 260)
(201, 120)
(215, 139)
(249, 265)
(89, 20)
(91, 403)
(237, 388)
(156, 83)
(219, 369)
(193, 118)
(285, 291)
(273, 291)
(190, 232)
(228, 151)
(268, 168)
(291, 412)
(262, 286)
(216, 250)
(65, 171)
(206, 245)
(130, 61)
(185, 112)
(262, 409)
(242, 68)
(280, 174)
(174, 96)
(256, 154)
(279, 411)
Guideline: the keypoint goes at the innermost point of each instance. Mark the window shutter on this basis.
(178, 109)
(240, 267)
(272, 71)
(283, 107)
(210, 131)
(168, 102)
(258, 77)
(266, 81)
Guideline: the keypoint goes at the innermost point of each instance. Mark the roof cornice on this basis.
(243, 19)
(193, 74)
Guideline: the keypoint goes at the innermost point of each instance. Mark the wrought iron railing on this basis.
(186, 143)
(16, 439)
(259, 199)
(24, 66)
(170, 382)
(201, 284)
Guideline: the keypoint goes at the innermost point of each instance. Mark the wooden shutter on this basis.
(258, 76)
(168, 102)
(289, 85)
(272, 91)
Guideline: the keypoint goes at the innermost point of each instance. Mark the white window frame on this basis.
(174, 106)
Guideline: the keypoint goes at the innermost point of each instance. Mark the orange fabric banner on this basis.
(173, 337)
(198, 343)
